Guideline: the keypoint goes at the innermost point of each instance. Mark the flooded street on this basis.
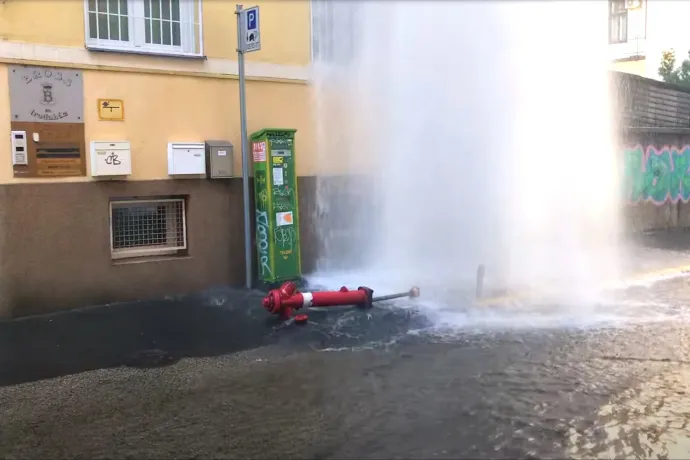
(351, 384)
(452, 149)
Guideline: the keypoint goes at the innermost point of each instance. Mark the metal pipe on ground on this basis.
(479, 289)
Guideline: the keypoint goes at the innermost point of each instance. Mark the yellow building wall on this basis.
(285, 27)
(173, 104)
(162, 108)
(638, 67)
(285, 31)
(43, 21)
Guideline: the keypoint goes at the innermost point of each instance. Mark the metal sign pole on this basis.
(245, 148)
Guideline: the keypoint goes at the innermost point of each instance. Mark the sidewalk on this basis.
(135, 334)
(213, 323)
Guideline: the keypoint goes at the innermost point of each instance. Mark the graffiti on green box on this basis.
(657, 175)
(262, 227)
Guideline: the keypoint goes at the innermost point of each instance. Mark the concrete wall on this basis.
(656, 179)
(55, 252)
(644, 102)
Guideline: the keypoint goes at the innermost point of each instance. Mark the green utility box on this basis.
(277, 209)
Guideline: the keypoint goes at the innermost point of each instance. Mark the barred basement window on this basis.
(141, 228)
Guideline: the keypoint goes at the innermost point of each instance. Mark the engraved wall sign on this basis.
(45, 94)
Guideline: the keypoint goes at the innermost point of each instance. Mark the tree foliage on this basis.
(672, 74)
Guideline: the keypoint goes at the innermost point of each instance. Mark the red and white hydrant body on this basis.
(284, 300)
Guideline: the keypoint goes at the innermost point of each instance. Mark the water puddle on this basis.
(443, 313)
(647, 421)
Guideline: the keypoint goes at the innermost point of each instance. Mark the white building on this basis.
(640, 30)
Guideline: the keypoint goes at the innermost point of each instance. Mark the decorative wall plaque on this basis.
(111, 110)
(44, 94)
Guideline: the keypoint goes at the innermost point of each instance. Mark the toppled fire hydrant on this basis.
(285, 300)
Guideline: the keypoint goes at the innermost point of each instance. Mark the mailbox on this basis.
(186, 158)
(219, 159)
(111, 158)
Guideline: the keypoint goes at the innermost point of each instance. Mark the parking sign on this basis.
(252, 37)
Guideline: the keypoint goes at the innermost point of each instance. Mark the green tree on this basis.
(672, 74)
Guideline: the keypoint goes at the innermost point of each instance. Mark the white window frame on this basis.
(619, 17)
(137, 32)
(130, 253)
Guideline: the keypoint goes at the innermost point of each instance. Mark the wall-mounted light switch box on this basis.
(20, 155)
(219, 159)
(186, 158)
(111, 158)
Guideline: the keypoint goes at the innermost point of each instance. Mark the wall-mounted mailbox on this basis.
(186, 158)
(219, 159)
(19, 148)
(111, 158)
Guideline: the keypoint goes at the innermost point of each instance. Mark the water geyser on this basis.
(457, 133)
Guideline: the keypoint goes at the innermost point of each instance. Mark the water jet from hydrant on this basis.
(454, 134)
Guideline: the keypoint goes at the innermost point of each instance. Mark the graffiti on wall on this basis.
(657, 176)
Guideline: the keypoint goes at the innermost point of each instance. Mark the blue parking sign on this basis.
(252, 38)
(251, 19)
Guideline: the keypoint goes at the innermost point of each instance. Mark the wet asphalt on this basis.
(213, 376)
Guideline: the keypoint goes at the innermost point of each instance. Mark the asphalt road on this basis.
(210, 376)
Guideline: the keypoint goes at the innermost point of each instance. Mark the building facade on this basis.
(640, 30)
(654, 117)
(98, 100)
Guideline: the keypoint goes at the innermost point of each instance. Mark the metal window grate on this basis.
(147, 227)
(108, 20)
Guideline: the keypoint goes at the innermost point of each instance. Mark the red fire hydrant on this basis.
(284, 300)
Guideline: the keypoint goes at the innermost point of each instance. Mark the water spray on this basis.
(285, 300)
